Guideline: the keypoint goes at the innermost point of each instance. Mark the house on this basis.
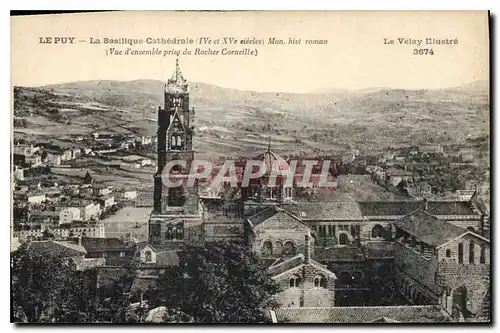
(18, 173)
(396, 176)
(75, 253)
(126, 195)
(75, 153)
(66, 155)
(53, 158)
(144, 199)
(102, 190)
(33, 160)
(25, 149)
(88, 209)
(106, 202)
(69, 214)
(115, 251)
(77, 229)
(37, 197)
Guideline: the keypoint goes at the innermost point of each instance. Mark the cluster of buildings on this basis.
(333, 260)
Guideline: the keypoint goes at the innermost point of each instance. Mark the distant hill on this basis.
(231, 121)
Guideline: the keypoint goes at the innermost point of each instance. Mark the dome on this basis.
(273, 161)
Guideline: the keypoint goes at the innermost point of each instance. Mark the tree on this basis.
(222, 282)
(47, 288)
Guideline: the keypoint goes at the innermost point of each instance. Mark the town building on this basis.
(115, 251)
(69, 214)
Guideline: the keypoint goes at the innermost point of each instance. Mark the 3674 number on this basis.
(423, 52)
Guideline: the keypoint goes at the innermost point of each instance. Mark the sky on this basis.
(354, 58)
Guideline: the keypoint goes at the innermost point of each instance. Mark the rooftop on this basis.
(429, 229)
(381, 208)
(91, 244)
(57, 248)
(369, 314)
(325, 210)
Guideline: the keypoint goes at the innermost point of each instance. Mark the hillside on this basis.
(238, 122)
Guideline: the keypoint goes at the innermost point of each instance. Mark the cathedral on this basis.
(323, 254)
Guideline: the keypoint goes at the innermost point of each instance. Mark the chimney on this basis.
(307, 249)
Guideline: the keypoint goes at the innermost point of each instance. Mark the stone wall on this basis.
(306, 295)
(415, 266)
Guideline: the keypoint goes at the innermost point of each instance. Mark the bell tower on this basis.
(174, 206)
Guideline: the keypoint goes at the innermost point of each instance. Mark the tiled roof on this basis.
(93, 244)
(267, 213)
(352, 315)
(374, 208)
(55, 248)
(286, 265)
(325, 210)
(377, 208)
(451, 208)
(429, 229)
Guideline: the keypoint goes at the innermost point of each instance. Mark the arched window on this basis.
(460, 253)
(174, 232)
(278, 247)
(172, 142)
(482, 258)
(378, 231)
(267, 248)
(319, 281)
(179, 141)
(148, 256)
(294, 281)
(448, 253)
(343, 239)
(289, 248)
(471, 252)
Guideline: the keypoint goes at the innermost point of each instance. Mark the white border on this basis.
(5, 121)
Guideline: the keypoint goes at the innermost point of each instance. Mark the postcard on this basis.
(323, 167)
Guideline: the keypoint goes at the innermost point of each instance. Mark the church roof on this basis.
(429, 229)
(348, 210)
(379, 208)
(268, 213)
(272, 160)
